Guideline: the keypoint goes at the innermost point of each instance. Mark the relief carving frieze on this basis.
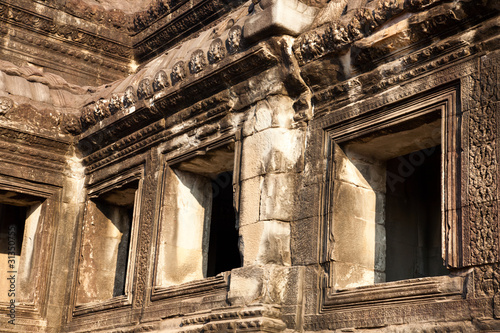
(34, 140)
(160, 81)
(6, 105)
(155, 133)
(122, 144)
(415, 66)
(59, 31)
(118, 129)
(482, 171)
(487, 280)
(178, 72)
(32, 150)
(450, 310)
(186, 88)
(336, 37)
(170, 33)
(234, 39)
(483, 223)
(216, 52)
(78, 64)
(145, 227)
(197, 62)
(144, 90)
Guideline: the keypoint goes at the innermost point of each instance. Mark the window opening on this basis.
(106, 244)
(19, 219)
(198, 234)
(223, 252)
(387, 204)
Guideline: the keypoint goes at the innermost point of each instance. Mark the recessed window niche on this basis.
(387, 204)
(19, 222)
(108, 242)
(198, 237)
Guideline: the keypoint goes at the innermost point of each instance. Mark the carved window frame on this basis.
(44, 249)
(445, 101)
(94, 191)
(209, 285)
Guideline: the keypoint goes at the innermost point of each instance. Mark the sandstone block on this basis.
(250, 200)
(272, 150)
(259, 284)
(266, 242)
(278, 200)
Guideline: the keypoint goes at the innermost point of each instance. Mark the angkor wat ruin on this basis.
(260, 166)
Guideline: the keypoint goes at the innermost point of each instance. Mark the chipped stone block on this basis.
(260, 284)
(348, 275)
(272, 150)
(250, 200)
(266, 242)
(277, 198)
(271, 17)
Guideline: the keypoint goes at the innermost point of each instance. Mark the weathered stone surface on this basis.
(184, 235)
(259, 284)
(250, 200)
(266, 242)
(279, 150)
(305, 107)
(287, 17)
(277, 201)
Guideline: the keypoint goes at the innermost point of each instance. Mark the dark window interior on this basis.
(223, 252)
(12, 218)
(413, 215)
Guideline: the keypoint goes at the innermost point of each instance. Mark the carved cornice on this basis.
(257, 318)
(35, 141)
(32, 150)
(401, 291)
(337, 37)
(59, 55)
(208, 286)
(135, 114)
(154, 35)
(411, 67)
(47, 26)
(160, 131)
(122, 148)
(189, 21)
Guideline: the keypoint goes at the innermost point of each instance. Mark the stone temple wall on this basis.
(268, 166)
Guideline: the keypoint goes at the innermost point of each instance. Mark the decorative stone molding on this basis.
(233, 42)
(47, 26)
(202, 13)
(416, 66)
(197, 62)
(144, 89)
(6, 105)
(187, 89)
(160, 81)
(255, 318)
(178, 72)
(336, 37)
(216, 52)
(129, 97)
